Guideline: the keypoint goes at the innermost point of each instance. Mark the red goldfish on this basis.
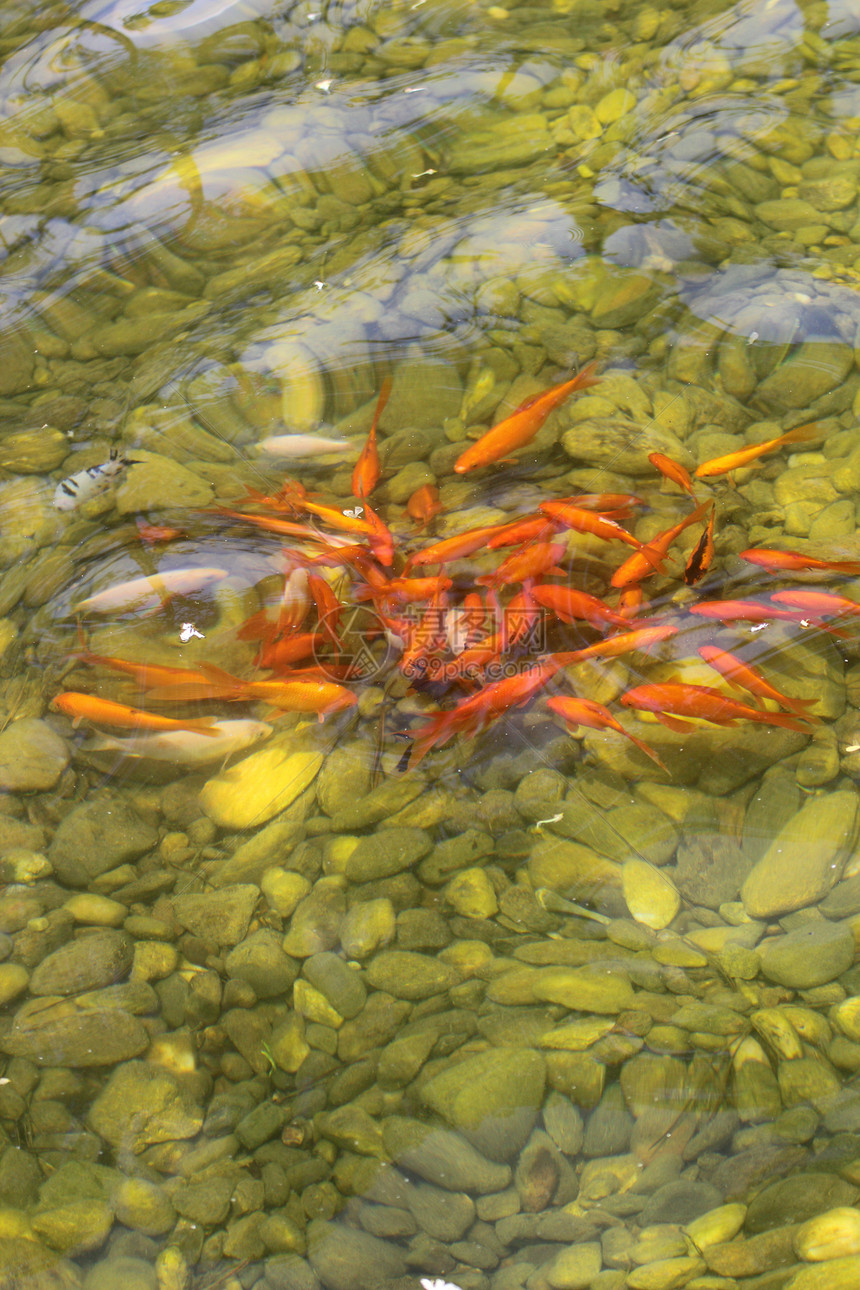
(366, 472)
(794, 561)
(587, 712)
(743, 456)
(673, 699)
(522, 425)
(582, 520)
(568, 604)
(532, 561)
(640, 639)
(818, 604)
(744, 677)
(454, 548)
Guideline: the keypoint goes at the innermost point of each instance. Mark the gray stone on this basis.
(492, 1098)
(809, 956)
(96, 959)
(805, 860)
(261, 962)
(442, 1157)
(341, 985)
(32, 756)
(141, 1105)
(407, 975)
(386, 852)
(217, 917)
(96, 836)
(345, 1259)
(66, 1032)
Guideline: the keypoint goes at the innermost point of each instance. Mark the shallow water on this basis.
(531, 1012)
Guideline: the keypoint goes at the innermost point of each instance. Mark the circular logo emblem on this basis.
(359, 629)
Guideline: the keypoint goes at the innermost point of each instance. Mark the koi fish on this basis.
(743, 456)
(533, 561)
(643, 638)
(301, 445)
(522, 425)
(672, 470)
(149, 593)
(744, 677)
(186, 747)
(582, 520)
(86, 484)
(105, 712)
(424, 505)
(367, 470)
(673, 699)
(702, 554)
(568, 604)
(795, 561)
(586, 712)
(293, 606)
(651, 557)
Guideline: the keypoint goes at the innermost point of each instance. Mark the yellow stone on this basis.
(834, 1234)
(651, 897)
(311, 1004)
(614, 105)
(259, 787)
(717, 1225)
(471, 894)
(283, 889)
(577, 1035)
(99, 911)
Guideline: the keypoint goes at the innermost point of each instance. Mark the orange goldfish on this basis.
(454, 548)
(424, 505)
(640, 639)
(587, 712)
(674, 699)
(743, 456)
(568, 604)
(104, 712)
(794, 561)
(744, 677)
(702, 554)
(651, 557)
(366, 472)
(532, 528)
(582, 520)
(380, 538)
(279, 654)
(532, 561)
(338, 519)
(672, 470)
(410, 590)
(522, 425)
(328, 607)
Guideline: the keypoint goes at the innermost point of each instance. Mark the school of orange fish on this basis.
(469, 642)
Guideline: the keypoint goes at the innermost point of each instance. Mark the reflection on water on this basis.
(279, 1008)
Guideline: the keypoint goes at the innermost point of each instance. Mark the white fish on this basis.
(302, 445)
(148, 593)
(86, 484)
(187, 747)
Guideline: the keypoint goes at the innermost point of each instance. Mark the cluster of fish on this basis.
(474, 644)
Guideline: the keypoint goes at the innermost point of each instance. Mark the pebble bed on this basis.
(304, 1023)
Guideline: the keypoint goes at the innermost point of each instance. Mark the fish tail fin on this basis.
(800, 434)
(587, 376)
(789, 722)
(648, 751)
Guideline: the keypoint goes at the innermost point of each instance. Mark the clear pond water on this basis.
(304, 1009)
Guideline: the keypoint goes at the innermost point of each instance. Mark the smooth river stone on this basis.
(651, 897)
(806, 859)
(32, 757)
(66, 1032)
(259, 787)
(345, 1259)
(492, 1098)
(808, 956)
(585, 989)
(442, 1157)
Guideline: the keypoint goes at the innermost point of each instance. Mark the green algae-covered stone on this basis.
(492, 1098)
(805, 859)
